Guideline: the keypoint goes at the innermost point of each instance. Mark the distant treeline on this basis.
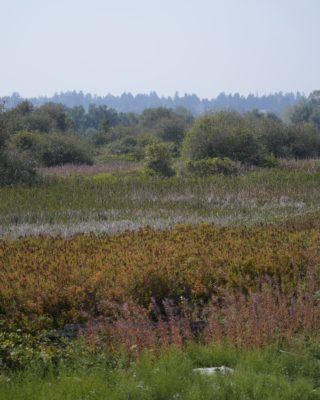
(276, 103)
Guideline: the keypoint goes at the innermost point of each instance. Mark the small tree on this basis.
(159, 160)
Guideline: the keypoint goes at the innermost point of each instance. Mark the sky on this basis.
(187, 46)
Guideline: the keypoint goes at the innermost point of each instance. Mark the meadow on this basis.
(109, 203)
(115, 285)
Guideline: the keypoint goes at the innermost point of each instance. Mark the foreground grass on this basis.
(258, 374)
(109, 204)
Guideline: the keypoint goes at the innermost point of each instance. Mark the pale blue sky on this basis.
(203, 47)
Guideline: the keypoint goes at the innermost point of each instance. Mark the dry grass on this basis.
(310, 165)
(116, 166)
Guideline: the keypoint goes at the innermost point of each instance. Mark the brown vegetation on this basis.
(247, 284)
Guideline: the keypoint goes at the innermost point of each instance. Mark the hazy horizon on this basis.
(166, 96)
(202, 48)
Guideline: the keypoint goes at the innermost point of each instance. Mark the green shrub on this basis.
(212, 166)
(223, 134)
(51, 149)
(269, 161)
(159, 160)
(144, 139)
(59, 149)
(20, 350)
(16, 167)
(303, 141)
(29, 141)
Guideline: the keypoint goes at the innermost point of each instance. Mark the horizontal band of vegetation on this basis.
(258, 374)
(47, 282)
(169, 142)
(260, 196)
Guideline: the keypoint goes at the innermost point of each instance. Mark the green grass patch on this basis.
(258, 374)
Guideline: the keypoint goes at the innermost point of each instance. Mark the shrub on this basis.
(303, 141)
(171, 129)
(224, 134)
(20, 350)
(26, 141)
(30, 143)
(97, 138)
(269, 161)
(16, 167)
(159, 160)
(61, 149)
(51, 149)
(212, 166)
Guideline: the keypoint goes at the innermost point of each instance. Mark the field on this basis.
(107, 203)
(116, 285)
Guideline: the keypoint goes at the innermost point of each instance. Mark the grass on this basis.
(258, 374)
(109, 204)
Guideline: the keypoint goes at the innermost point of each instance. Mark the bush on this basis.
(61, 149)
(19, 350)
(171, 129)
(97, 138)
(29, 143)
(51, 149)
(224, 134)
(212, 166)
(159, 160)
(26, 141)
(16, 167)
(303, 141)
(269, 161)
(288, 141)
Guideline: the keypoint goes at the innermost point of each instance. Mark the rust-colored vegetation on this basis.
(245, 284)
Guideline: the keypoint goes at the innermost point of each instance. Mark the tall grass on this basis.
(258, 374)
(109, 204)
